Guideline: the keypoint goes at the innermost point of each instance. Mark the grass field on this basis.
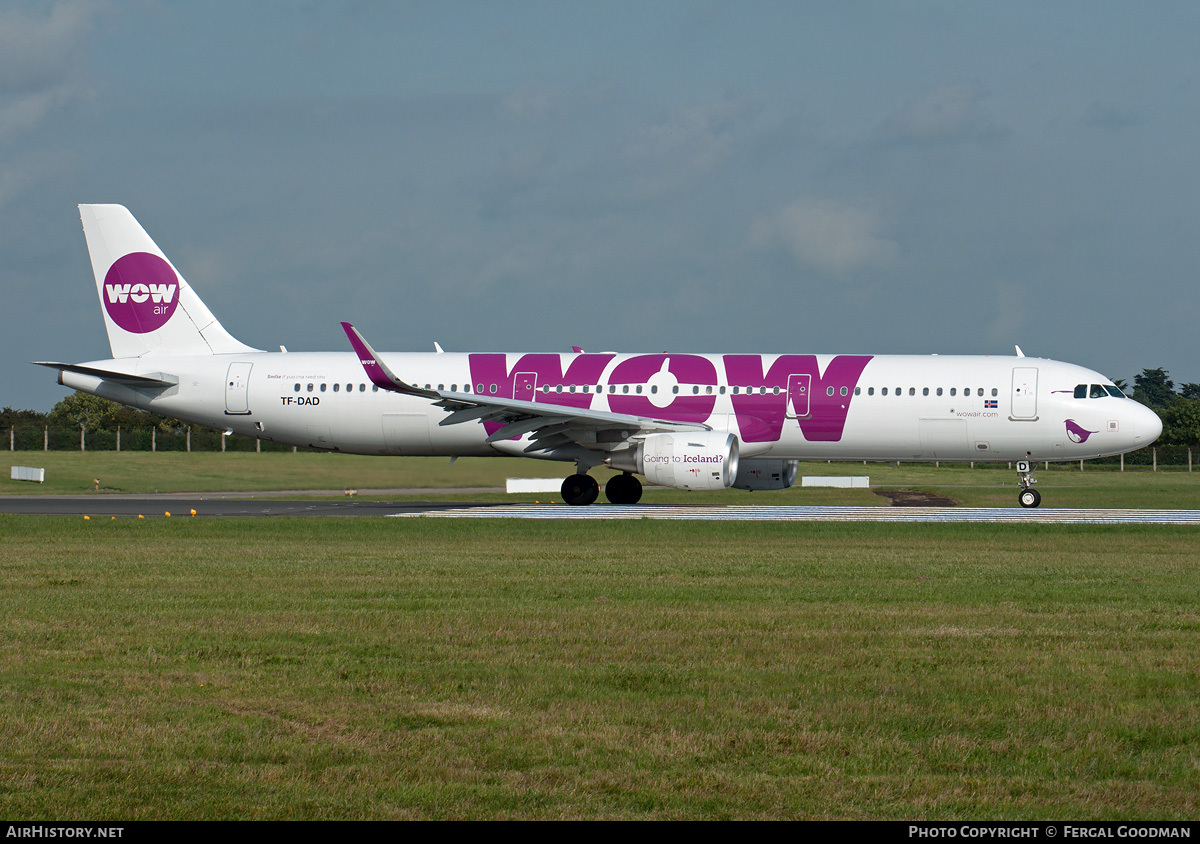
(355, 668)
(143, 472)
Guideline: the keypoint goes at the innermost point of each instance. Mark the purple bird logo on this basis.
(1076, 433)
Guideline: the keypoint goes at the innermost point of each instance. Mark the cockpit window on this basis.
(1114, 391)
(1098, 392)
(1081, 391)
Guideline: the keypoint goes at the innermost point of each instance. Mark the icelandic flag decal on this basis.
(990, 403)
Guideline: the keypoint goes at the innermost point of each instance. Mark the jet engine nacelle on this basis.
(693, 460)
(766, 474)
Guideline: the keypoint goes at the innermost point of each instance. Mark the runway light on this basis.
(167, 514)
(193, 511)
(140, 516)
(87, 518)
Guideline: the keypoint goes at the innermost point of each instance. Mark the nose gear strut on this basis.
(1029, 497)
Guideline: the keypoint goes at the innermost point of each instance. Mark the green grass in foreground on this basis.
(352, 668)
(142, 472)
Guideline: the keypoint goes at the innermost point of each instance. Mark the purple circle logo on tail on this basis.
(140, 292)
(1076, 433)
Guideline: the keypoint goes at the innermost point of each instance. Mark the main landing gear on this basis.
(581, 489)
(623, 489)
(1029, 496)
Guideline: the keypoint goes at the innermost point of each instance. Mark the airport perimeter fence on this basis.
(195, 438)
(49, 438)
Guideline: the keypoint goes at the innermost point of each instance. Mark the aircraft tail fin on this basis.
(148, 307)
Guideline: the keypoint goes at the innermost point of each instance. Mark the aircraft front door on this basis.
(237, 385)
(1024, 392)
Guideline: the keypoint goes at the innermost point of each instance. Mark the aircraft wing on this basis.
(550, 424)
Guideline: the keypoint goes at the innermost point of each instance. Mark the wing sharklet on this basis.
(377, 370)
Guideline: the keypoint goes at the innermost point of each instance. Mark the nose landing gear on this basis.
(1029, 497)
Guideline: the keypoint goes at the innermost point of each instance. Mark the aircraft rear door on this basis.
(237, 384)
(1024, 392)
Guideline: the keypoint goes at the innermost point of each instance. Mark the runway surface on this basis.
(152, 506)
(182, 505)
(824, 514)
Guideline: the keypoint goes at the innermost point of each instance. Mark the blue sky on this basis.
(914, 177)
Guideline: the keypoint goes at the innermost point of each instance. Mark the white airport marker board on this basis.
(848, 482)
(28, 473)
(534, 485)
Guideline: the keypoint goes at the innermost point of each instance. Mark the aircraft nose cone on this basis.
(1147, 426)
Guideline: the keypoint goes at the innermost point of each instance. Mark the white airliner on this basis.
(687, 421)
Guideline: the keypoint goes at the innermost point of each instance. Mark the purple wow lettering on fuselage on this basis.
(531, 372)
(687, 369)
(761, 415)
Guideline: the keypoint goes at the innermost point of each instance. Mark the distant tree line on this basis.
(93, 413)
(107, 425)
(1178, 409)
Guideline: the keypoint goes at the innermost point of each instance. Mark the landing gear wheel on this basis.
(580, 490)
(1030, 498)
(623, 489)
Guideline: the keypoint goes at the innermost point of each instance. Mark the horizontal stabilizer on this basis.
(125, 378)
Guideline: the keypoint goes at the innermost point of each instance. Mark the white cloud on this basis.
(689, 144)
(942, 113)
(40, 58)
(832, 237)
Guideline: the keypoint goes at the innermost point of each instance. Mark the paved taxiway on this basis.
(181, 505)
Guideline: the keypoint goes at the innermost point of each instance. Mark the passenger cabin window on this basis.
(297, 388)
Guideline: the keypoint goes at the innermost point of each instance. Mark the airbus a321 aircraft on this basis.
(688, 421)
